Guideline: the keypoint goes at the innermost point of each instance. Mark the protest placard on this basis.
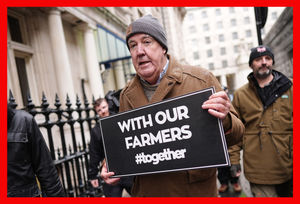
(172, 135)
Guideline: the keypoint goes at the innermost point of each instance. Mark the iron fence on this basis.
(66, 130)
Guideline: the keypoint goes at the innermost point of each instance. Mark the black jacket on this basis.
(28, 159)
(96, 156)
(96, 152)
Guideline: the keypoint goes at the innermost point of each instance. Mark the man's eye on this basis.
(132, 46)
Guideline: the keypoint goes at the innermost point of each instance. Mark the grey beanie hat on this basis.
(148, 25)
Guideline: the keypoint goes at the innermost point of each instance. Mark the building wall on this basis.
(280, 40)
(172, 21)
(220, 39)
(63, 61)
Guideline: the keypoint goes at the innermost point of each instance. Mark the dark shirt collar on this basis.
(268, 94)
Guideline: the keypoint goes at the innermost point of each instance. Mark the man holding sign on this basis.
(160, 77)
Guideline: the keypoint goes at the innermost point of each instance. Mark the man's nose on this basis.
(140, 49)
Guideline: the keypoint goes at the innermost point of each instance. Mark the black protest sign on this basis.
(175, 134)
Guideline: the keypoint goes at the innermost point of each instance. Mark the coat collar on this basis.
(175, 70)
(173, 76)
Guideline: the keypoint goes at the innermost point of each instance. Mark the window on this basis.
(23, 80)
(236, 49)
(221, 38)
(207, 40)
(209, 53)
(233, 22)
(274, 15)
(224, 63)
(110, 45)
(15, 29)
(250, 45)
(196, 55)
(248, 33)
(223, 51)
(211, 66)
(234, 35)
(192, 29)
(247, 20)
(22, 53)
(218, 12)
(204, 14)
(206, 27)
(194, 42)
(219, 24)
(191, 16)
(231, 10)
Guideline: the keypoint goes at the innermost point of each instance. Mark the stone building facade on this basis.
(280, 39)
(76, 50)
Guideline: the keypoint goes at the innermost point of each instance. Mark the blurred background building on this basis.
(82, 50)
(220, 39)
(280, 39)
(76, 50)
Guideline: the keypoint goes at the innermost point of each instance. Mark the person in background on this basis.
(227, 92)
(159, 77)
(97, 156)
(28, 159)
(265, 105)
(225, 174)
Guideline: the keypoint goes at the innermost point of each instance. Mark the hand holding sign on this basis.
(218, 105)
(172, 135)
(106, 176)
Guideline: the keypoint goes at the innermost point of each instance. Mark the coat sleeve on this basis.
(232, 125)
(233, 128)
(234, 151)
(43, 165)
(96, 152)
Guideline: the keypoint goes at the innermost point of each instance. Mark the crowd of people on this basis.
(259, 121)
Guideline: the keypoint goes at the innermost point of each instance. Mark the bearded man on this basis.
(265, 106)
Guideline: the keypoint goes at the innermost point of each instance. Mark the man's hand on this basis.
(106, 176)
(95, 183)
(235, 170)
(218, 105)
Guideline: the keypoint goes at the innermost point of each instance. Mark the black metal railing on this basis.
(66, 130)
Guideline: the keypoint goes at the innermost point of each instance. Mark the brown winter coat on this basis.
(178, 80)
(268, 140)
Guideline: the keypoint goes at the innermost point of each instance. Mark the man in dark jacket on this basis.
(265, 105)
(97, 155)
(29, 159)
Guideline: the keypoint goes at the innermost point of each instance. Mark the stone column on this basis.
(119, 74)
(223, 80)
(60, 56)
(93, 67)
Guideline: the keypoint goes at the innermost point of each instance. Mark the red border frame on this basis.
(137, 3)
